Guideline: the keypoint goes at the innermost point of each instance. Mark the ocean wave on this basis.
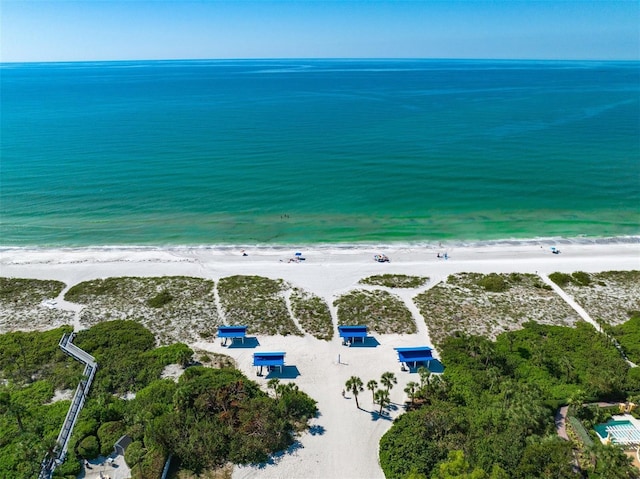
(338, 247)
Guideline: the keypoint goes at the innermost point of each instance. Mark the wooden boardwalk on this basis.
(50, 462)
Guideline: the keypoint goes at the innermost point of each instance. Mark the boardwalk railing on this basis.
(90, 366)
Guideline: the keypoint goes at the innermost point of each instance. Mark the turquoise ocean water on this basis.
(302, 151)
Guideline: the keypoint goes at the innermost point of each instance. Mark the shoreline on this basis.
(550, 241)
(399, 254)
(327, 272)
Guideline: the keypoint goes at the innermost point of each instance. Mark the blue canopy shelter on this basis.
(232, 332)
(350, 333)
(271, 360)
(420, 354)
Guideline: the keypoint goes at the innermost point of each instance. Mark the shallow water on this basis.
(297, 151)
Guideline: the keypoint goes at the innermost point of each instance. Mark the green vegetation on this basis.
(28, 292)
(29, 426)
(609, 297)
(488, 305)
(208, 418)
(159, 300)
(174, 308)
(493, 282)
(628, 336)
(213, 416)
(561, 279)
(395, 280)
(579, 278)
(312, 313)
(380, 310)
(257, 302)
(496, 403)
(126, 355)
(21, 305)
(354, 386)
(27, 357)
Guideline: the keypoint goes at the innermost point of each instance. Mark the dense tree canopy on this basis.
(628, 335)
(496, 405)
(205, 419)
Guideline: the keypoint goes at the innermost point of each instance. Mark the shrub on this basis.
(395, 280)
(160, 299)
(561, 279)
(608, 296)
(134, 453)
(380, 310)
(89, 447)
(493, 282)
(27, 292)
(313, 314)
(628, 336)
(581, 278)
(108, 435)
(25, 356)
(150, 465)
(257, 302)
(175, 308)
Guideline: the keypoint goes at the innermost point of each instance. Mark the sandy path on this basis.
(571, 302)
(343, 441)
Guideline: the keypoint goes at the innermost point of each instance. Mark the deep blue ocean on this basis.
(275, 152)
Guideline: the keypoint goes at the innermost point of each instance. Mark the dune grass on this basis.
(258, 303)
(21, 305)
(380, 310)
(395, 280)
(313, 314)
(488, 305)
(609, 297)
(174, 308)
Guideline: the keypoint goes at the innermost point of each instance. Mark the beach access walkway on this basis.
(90, 367)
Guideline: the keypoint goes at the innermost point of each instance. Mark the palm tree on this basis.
(425, 377)
(410, 390)
(382, 397)
(576, 401)
(372, 386)
(388, 379)
(354, 384)
(611, 462)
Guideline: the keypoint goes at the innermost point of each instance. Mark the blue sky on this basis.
(123, 30)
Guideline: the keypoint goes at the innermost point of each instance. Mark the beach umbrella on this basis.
(298, 254)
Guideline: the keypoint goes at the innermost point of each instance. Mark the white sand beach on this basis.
(343, 441)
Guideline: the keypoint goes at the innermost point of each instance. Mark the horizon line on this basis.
(396, 59)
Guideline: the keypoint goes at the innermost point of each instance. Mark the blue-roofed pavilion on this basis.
(350, 333)
(233, 332)
(415, 355)
(270, 360)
